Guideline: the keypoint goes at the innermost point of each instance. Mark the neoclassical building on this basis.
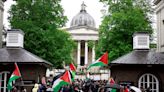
(83, 32)
(159, 9)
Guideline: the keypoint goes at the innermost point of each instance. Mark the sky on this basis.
(71, 8)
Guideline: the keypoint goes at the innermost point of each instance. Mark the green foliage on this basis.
(124, 17)
(153, 45)
(91, 44)
(40, 20)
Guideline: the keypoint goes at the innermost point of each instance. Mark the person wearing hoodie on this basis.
(36, 87)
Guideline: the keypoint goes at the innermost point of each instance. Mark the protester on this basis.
(14, 89)
(36, 88)
(80, 86)
(76, 89)
(40, 88)
(49, 88)
(148, 89)
(142, 89)
(43, 83)
(126, 89)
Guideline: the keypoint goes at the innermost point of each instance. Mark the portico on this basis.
(85, 54)
(83, 31)
(85, 34)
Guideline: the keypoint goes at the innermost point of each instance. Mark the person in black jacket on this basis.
(148, 89)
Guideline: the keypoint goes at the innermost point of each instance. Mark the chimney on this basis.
(15, 38)
(141, 41)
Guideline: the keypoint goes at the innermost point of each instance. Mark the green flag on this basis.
(15, 75)
(102, 61)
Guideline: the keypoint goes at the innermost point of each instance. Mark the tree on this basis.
(41, 20)
(124, 17)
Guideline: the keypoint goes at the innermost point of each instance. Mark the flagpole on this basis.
(21, 79)
(14, 76)
(18, 67)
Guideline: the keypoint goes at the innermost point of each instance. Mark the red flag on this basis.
(15, 75)
(66, 77)
(72, 67)
(102, 61)
(111, 81)
(104, 58)
(16, 72)
(126, 90)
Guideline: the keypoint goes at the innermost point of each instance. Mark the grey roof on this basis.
(141, 57)
(8, 55)
(141, 33)
(79, 27)
(156, 1)
(15, 31)
(83, 18)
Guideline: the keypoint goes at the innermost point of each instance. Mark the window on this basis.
(3, 81)
(149, 81)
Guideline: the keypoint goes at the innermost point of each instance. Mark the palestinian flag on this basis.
(65, 79)
(111, 81)
(72, 70)
(72, 67)
(102, 61)
(57, 76)
(15, 75)
(87, 76)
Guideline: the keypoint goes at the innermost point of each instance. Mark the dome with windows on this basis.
(83, 18)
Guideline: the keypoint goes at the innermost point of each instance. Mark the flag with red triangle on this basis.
(102, 61)
(111, 81)
(15, 75)
(72, 67)
(65, 79)
(72, 70)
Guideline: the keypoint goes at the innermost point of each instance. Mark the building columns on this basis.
(86, 49)
(93, 53)
(86, 52)
(78, 52)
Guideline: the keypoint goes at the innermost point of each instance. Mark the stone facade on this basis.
(1, 21)
(160, 24)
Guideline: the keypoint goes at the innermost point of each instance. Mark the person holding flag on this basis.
(15, 75)
(65, 79)
(72, 70)
(102, 61)
(112, 82)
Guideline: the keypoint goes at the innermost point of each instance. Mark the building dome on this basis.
(83, 18)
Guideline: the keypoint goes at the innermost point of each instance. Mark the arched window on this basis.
(3, 81)
(149, 81)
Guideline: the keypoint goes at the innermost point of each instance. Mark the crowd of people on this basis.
(81, 86)
(44, 86)
(76, 86)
